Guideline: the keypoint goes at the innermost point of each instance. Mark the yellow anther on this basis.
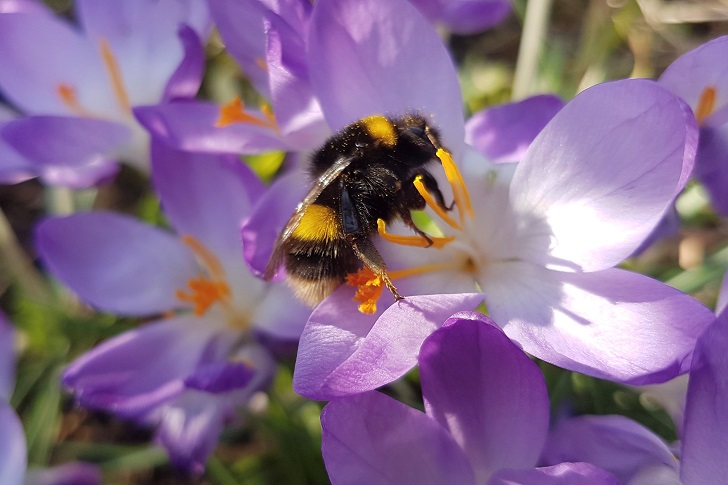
(459, 189)
(434, 205)
(234, 112)
(204, 292)
(706, 104)
(417, 241)
(114, 72)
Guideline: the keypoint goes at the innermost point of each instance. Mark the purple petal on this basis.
(189, 429)
(186, 79)
(268, 217)
(136, 371)
(13, 452)
(350, 40)
(694, 71)
(722, 303)
(705, 435)
(279, 314)
(710, 165)
(40, 54)
(371, 438)
(470, 17)
(503, 133)
(7, 358)
(190, 126)
(486, 392)
(67, 141)
(14, 6)
(206, 196)
(116, 263)
(98, 172)
(143, 37)
(615, 443)
(603, 172)
(14, 168)
(562, 474)
(343, 352)
(298, 113)
(77, 473)
(219, 377)
(611, 324)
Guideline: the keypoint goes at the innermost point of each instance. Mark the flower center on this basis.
(206, 290)
(370, 285)
(234, 112)
(69, 95)
(706, 104)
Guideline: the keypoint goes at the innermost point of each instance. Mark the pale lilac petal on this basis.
(692, 72)
(710, 164)
(371, 438)
(382, 57)
(614, 443)
(603, 172)
(189, 429)
(7, 358)
(138, 370)
(268, 217)
(143, 37)
(77, 473)
(13, 452)
(14, 6)
(67, 141)
(465, 16)
(186, 79)
(279, 314)
(561, 474)
(486, 392)
(722, 303)
(343, 352)
(41, 53)
(116, 263)
(705, 434)
(98, 172)
(503, 133)
(190, 126)
(298, 113)
(671, 396)
(206, 196)
(611, 324)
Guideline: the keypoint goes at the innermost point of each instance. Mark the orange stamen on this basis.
(434, 205)
(706, 104)
(234, 112)
(417, 241)
(204, 293)
(204, 290)
(260, 62)
(114, 72)
(459, 189)
(68, 97)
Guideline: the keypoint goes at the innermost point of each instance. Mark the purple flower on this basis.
(636, 455)
(485, 420)
(77, 85)
(539, 239)
(700, 78)
(13, 449)
(185, 373)
(465, 16)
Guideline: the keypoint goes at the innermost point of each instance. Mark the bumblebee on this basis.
(363, 173)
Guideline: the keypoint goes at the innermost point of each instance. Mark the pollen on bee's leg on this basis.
(459, 189)
(417, 241)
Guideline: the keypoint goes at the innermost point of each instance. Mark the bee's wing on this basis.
(323, 181)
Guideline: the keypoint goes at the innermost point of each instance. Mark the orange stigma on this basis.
(68, 97)
(234, 112)
(204, 291)
(706, 104)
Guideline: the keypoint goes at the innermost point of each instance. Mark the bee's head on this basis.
(418, 138)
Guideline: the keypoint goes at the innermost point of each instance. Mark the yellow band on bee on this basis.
(380, 128)
(319, 223)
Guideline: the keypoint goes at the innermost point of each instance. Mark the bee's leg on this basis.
(360, 243)
(406, 216)
(431, 185)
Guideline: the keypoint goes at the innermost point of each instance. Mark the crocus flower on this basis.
(539, 239)
(78, 84)
(184, 373)
(636, 455)
(485, 419)
(13, 449)
(465, 16)
(700, 77)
